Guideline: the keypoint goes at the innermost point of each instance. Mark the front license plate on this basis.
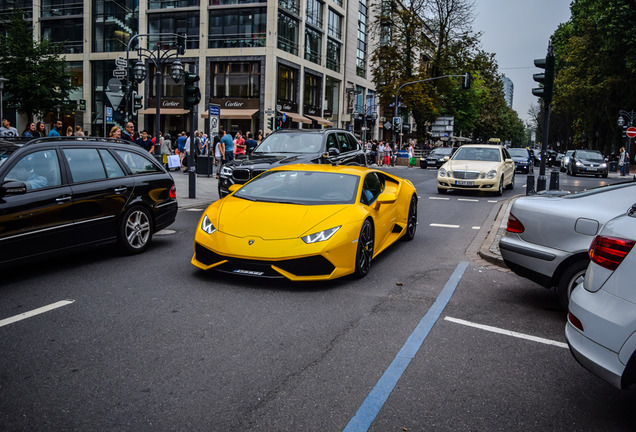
(592, 169)
(464, 183)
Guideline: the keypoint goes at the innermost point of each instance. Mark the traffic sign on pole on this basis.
(631, 132)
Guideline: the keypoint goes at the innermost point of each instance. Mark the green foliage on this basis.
(38, 82)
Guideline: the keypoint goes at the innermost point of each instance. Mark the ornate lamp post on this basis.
(630, 115)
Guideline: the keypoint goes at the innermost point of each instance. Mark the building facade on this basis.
(306, 59)
(509, 90)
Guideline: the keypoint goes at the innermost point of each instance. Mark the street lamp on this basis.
(2, 80)
(630, 115)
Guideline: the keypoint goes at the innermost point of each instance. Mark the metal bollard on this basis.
(530, 184)
(554, 180)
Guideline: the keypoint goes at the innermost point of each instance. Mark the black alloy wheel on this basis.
(411, 224)
(364, 253)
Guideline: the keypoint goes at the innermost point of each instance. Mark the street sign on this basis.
(397, 120)
(109, 114)
(120, 62)
(119, 73)
(215, 113)
(284, 117)
(631, 132)
(269, 112)
(387, 125)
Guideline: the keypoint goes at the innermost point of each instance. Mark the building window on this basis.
(169, 88)
(287, 84)
(174, 22)
(171, 4)
(361, 52)
(333, 55)
(234, 28)
(288, 33)
(314, 13)
(114, 22)
(313, 91)
(334, 25)
(67, 32)
(338, 2)
(313, 45)
(236, 80)
(58, 8)
(7, 7)
(292, 6)
(332, 97)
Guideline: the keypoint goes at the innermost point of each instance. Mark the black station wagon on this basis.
(58, 194)
(292, 146)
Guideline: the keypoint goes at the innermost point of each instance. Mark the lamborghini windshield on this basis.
(301, 187)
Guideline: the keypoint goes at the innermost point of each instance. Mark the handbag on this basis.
(173, 161)
(412, 161)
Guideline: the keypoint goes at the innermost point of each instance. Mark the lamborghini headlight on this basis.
(492, 174)
(206, 225)
(320, 236)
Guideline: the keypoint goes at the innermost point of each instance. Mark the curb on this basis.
(489, 249)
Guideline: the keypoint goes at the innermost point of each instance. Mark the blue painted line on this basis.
(376, 398)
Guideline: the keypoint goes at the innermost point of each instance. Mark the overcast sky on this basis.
(517, 32)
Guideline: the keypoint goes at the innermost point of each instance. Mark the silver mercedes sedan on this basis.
(548, 237)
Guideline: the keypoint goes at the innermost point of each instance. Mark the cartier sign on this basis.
(237, 103)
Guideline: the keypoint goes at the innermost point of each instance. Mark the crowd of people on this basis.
(385, 153)
(38, 130)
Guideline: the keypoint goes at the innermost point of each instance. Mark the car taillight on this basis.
(173, 191)
(609, 252)
(514, 225)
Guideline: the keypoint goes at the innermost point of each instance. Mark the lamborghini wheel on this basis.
(411, 224)
(365, 250)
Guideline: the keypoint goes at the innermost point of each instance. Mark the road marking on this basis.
(439, 198)
(165, 232)
(467, 199)
(476, 227)
(493, 201)
(443, 225)
(376, 398)
(35, 312)
(507, 332)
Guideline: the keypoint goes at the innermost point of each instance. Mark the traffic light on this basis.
(181, 43)
(137, 102)
(397, 121)
(270, 123)
(546, 78)
(279, 122)
(192, 94)
(466, 81)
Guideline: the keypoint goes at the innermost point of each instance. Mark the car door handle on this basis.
(63, 199)
(121, 189)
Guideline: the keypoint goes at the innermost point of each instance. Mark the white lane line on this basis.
(35, 312)
(467, 199)
(443, 225)
(507, 332)
(439, 198)
(493, 201)
(476, 227)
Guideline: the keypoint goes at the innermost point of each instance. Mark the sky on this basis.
(517, 32)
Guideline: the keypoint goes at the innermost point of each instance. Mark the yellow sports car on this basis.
(478, 167)
(306, 222)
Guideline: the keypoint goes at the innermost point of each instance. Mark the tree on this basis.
(38, 81)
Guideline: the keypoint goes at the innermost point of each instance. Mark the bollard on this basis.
(554, 180)
(530, 184)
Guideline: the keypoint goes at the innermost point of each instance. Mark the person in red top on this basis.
(239, 144)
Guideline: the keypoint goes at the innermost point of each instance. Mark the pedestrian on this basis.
(29, 132)
(227, 141)
(115, 132)
(79, 131)
(411, 151)
(181, 143)
(166, 149)
(57, 128)
(69, 131)
(623, 160)
(7, 130)
(145, 142)
(219, 154)
(387, 154)
(40, 130)
(239, 144)
(380, 156)
(250, 142)
(128, 132)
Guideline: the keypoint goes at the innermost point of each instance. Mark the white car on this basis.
(601, 327)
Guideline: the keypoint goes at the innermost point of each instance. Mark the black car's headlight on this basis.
(226, 171)
(206, 225)
(320, 236)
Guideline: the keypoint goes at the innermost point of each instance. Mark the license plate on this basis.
(464, 183)
(592, 169)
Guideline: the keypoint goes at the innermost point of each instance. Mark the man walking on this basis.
(7, 130)
(57, 128)
(127, 133)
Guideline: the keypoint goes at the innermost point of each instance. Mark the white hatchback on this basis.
(601, 327)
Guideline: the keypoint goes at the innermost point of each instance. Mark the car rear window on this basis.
(137, 163)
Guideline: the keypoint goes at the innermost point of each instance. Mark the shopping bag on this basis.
(412, 161)
(173, 161)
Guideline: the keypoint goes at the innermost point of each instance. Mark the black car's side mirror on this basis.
(333, 151)
(13, 188)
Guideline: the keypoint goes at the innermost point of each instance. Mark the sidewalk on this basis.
(205, 190)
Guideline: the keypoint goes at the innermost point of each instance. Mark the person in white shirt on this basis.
(7, 130)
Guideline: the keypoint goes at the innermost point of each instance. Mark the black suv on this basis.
(283, 147)
(64, 193)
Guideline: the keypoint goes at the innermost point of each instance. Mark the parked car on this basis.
(284, 147)
(588, 162)
(536, 156)
(601, 326)
(559, 159)
(478, 167)
(306, 222)
(566, 160)
(548, 236)
(437, 157)
(551, 157)
(58, 194)
(524, 163)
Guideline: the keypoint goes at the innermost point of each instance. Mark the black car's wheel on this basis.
(364, 254)
(570, 278)
(135, 231)
(604, 175)
(501, 187)
(411, 225)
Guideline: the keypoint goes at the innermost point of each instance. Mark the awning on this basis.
(239, 114)
(320, 120)
(296, 117)
(163, 111)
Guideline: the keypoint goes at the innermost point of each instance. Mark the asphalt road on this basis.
(150, 343)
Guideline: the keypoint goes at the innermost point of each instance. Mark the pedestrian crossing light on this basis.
(546, 78)
(192, 94)
(137, 102)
